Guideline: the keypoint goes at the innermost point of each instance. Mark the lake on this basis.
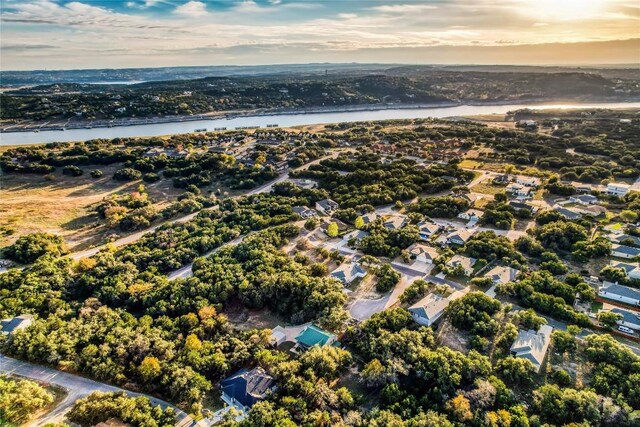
(283, 120)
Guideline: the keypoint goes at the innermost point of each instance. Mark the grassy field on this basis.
(31, 203)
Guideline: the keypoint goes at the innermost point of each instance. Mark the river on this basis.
(283, 120)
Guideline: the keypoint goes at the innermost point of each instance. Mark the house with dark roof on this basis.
(584, 199)
(246, 387)
(630, 319)
(13, 324)
(304, 212)
(616, 292)
(326, 206)
(532, 345)
(314, 336)
(567, 213)
(523, 206)
(622, 251)
(632, 270)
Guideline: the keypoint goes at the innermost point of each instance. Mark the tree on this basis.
(96, 173)
(359, 223)
(29, 248)
(515, 370)
(387, 278)
(332, 230)
(150, 369)
(20, 399)
(608, 319)
(460, 408)
(72, 170)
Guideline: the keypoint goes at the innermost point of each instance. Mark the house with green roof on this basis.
(312, 336)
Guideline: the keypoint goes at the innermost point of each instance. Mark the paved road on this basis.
(77, 387)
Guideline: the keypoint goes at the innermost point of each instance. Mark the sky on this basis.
(60, 34)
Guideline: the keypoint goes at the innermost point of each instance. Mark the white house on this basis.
(370, 217)
(471, 215)
(500, 275)
(348, 272)
(616, 292)
(304, 212)
(465, 262)
(584, 199)
(617, 189)
(431, 308)
(326, 206)
(422, 253)
(622, 251)
(630, 319)
(395, 222)
(532, 345)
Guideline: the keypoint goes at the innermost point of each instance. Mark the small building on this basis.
(13, 324)
(630, 319)
(500, 275)
(278, 336)
(532, 345)
(463, 261)
(459, 237)
(568, 213)
(584, 199)
(313, 336)
(618, 189)
(246, 387)
(304, 212)
(431, 308)
(519, 190)
(622, 251)
(518, 206)
(471, 215)
(348, 272)
(624, 294)
(422, 253)
(395, 222)
(428, 229)
(624, 239)
(632, 270)
(528, 181)
(370, 218)
(326, 206)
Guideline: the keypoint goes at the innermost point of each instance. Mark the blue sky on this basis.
(39, 34)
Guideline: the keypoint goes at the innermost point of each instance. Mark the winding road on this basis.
(77, 387)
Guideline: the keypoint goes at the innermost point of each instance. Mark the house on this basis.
(370, 218)
(617, 189)
(622, 251)
(519, 190)
(584, 199)
(472, 198)
(395, 222)
(465, 262)
(501, 179)
(632, 270)
(532, 345)
(422, 253)
(593, 210)
(567, 213)
(278, 336)
(459, 237)
(431, 308)
(428, 229)
(630, 319)
(616, 292)
(523, 206)
(348, 272)
(500, 275)
(355, 235)
(153, 152)
(471, 215)
(313, 336)
(326, 206)
(246, 387)
(528, 181)
(304, 212)
(624, 239)
(13, 324)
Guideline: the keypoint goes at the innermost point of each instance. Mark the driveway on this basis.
(77, 387)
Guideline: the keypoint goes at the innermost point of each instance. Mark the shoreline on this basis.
(217, 115)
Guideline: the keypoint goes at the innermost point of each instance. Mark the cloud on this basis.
(192, 9)
(404, 8)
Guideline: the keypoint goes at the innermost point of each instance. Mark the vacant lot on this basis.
(31, 203)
